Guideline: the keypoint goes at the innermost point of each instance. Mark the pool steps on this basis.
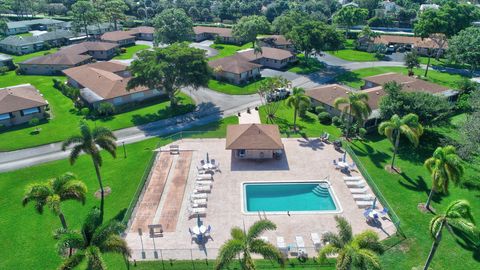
(321, 190)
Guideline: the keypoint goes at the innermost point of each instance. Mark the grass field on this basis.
(349, 53)
(65, 117)
(354, 78)
(131, 51)
(21, 58)
(441, 62)
(233, 89)
(225, 50)
(306, 66)
(27, 241)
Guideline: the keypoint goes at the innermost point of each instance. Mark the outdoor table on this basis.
(199, 230)
(372, 213)
(208, 166)
(343, 164)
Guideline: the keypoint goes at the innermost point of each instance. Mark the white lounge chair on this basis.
(300, 245)
(199, 201)
(349, 178)
(356, 184)
(364, 204)
(204, 182)
(202, 189)
(281, 245)
(197, 211)
(204, 177)
(358, 190)
(317, 243)
(196, 196)
(362, 197)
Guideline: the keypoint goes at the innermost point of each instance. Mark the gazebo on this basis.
(254, 141)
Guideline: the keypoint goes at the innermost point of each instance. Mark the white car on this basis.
(278, 94)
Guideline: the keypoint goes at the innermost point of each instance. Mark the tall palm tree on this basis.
(355, 106)
(445, 167)
(354, 252)
(88, 142)
(265, 89)
(52, 193)
(248, 242)
(295, 101)
(396, 126)
(93, 240)
(458, 216)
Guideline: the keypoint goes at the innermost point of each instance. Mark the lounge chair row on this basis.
(199, 195)
(359, 189)
(299, 248)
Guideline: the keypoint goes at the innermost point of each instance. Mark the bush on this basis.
(325, 118)
(18, 71)
(85, 111)
(123, 50)
(362, 132)
(302, 110)
(337, 121)
(68, 91)
(105, 109)
(319, 109)
(34, 121)
(3, 70)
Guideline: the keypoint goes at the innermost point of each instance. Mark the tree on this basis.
(115, 11)
(411, 61)
(266, 89)
(396, 126)
(314, 37)
(444, 166)
(285, 22)
(83, 14)
(296, 100)
(88, 142)
(93, 240)
(464, 48)
(205, 14)
(354, 252)
(52, 193)
(244, 243)
(170, 68)
(458, 220)
(249, 27)
(368, 33)
(370, 5)
(355, 106)
(173, 25)
(145, 9)
(194, 13)
(350, 16)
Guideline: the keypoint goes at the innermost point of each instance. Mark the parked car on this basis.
(278, 94)
(390, 49)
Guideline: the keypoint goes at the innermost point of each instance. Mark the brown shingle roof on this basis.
(58, 58)
(267, 52)
(223, 32)
(277, 39)
(253, 137)
(102, 78)
(86, 46)
(141, 30)
(20, 97)
(410, 84)
(116, 36)
(233, 64)
(415, 41)
(381, 79)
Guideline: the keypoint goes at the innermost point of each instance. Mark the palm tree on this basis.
(248, 242)
(445, 167)
(257, 49)
(93, 240)
(458, 220)
(354, 252)
(396, 126)
(266, 89)
(52, 193)
(295, 101)
(88, 142)
(354, 106)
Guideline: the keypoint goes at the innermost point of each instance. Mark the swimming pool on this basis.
(312, 196)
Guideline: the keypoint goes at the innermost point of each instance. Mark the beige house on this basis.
(269, 57)
(20, 103)
(207, 32)
(122, 38)
(142, 32)
(107, 82)
(254, 141)
(421, 46)
(276, 41)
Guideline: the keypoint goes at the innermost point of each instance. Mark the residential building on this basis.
(94, 29)
(207, 32)
(27, 44)
(235, 69)
(6, 61)
(122, 38)
(21, 103)
(254, 141)
(276, 41)
(269, 57)
(68, 57)
(18, 27)
(107, 82)
(142, 32)
(421, 46)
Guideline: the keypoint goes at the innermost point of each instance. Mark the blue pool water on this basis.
(290, 196)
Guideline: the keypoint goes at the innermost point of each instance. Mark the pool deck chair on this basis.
(350, 178)
(356, 184)
(196, 196)
(194, 212)
(364, 204)
(174, 149)
(202, 189)
(200, 201)
(204, 182)
(317, 243)
(362, 197)
(300, 245)
(358, 190)
(204, 177)
(281, 245)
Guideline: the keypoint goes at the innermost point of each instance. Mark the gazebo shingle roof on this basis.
(253, 137)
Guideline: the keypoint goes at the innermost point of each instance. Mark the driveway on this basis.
(205, 45)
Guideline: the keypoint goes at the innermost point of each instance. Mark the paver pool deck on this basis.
(304, 160)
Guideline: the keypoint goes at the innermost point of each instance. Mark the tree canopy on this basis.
(349, 16)
(285, 23)
(464, 48)
(172, 25)
(248, 28)
(83, 14)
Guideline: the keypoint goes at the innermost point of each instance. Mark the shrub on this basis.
(18, 71)
(302, 110)
(325, 118)
(105, 109)
(3, 70)
(68, 91)
(123, 50)
(34, 121)
(362, 132)
(337, 121)
(218, 40)
(85, 111)
(319, 109)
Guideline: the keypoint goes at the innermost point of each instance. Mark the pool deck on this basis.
(303, 160)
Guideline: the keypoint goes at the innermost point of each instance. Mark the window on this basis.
(30, 111)
(117, 100)
(241, 152)
(5, 116)
(138, 95)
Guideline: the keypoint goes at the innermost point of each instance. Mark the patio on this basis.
(303, 160)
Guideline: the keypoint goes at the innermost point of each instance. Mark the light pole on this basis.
(124, 150)
(141, 242)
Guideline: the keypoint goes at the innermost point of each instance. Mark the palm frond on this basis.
(116, 244)
(72, 261)
(344, 259)
(327, 250)
(70, 239)
(103, 232)
(259, 227)
(228, 252)
(75, 153)
(103, 132)
(267, 250)
(72, 140)
(366, 259)
(344, 229)
(238, 234)
(38, 193)
(91, 223)
(369, 240)
(462, 208)
(109, 146)
(94, 258)
(53, 203)
(74, 190)
(436, 225)
(340, 101)
(333, 239)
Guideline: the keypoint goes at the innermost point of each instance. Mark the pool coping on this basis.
(336, 201)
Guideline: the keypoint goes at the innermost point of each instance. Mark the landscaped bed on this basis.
(131, 51)
(233, 89)
(225, 50)
(349, 53)
(306, 66)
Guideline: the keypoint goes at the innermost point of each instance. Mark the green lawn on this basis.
(306, 66)
(28, 34)
(130, 51)
(65, 117)
(27, 241)
(354, 78)
(225, 50)
(349, 53)
(441, 62)
(233, 89)
(21, 58)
